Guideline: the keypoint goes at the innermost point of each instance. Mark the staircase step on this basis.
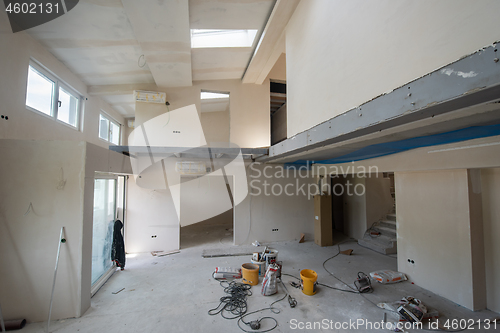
(390, 232)
(381, 239)
(380, 248)
(391, 217)
(388, 224)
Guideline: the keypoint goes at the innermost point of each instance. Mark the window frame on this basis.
(110, 120)
(58, 84)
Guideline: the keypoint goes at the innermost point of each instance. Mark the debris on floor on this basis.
(256, 243)
(302, 238)
(346, 252)
(222, 273)
(387, 276)
(117, 291)
(410, 309)
(163, 253)
(228, 252)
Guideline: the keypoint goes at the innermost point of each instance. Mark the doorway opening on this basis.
(278, 111)
(207, 212)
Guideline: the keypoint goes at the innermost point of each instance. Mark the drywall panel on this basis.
(276, 200)
(341, 54)
(434, 231)
(248, 108)
(491, 222)
(26, 124)
(355, 223)
(50, 176)
(215, 126)
(152, 223)
(203, 198)
(278, 72)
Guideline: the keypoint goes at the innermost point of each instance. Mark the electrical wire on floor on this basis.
(321, 284)
(236, 305)
(370, 301)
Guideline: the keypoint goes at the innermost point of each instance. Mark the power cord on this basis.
(293, 284)
(235, 303)
(255, 324)
(370, 301)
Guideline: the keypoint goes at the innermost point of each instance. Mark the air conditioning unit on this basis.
(191, 168)
(150, 97)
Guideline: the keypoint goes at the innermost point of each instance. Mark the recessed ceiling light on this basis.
(212, 95)
(208, 38)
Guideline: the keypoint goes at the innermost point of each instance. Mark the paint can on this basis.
(262, 266)
(308, 282)
(250, 274)
(271, 257)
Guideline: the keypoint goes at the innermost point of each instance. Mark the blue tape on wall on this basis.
(388, 148)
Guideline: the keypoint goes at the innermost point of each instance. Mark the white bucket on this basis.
(271, 257)
(262, 266)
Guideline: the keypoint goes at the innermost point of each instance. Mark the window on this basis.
(52, 97)
(213, 95)
(109, 129)
(208, 38)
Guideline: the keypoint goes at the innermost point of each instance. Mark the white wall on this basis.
(437, 231)
(15, 53)
(278, 72)
(150, 213)
(203, 198)
(215, 126)
(341, 54)
(248, 107)
(257, 215)
(491, 221)
(31, 172)
(355, 223)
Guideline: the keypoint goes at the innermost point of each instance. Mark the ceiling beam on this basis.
(271, 43)
(163, 31)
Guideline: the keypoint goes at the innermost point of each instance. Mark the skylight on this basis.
(212, 95)
(208, 38)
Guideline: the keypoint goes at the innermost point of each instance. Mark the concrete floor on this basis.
(174, 293)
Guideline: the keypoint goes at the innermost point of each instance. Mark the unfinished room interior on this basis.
(250, 166)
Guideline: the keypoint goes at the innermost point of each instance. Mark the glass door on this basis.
(104, 217)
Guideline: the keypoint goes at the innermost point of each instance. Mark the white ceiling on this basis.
(105, 43)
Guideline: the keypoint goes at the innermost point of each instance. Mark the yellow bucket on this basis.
(250, 274)
(308, 279)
